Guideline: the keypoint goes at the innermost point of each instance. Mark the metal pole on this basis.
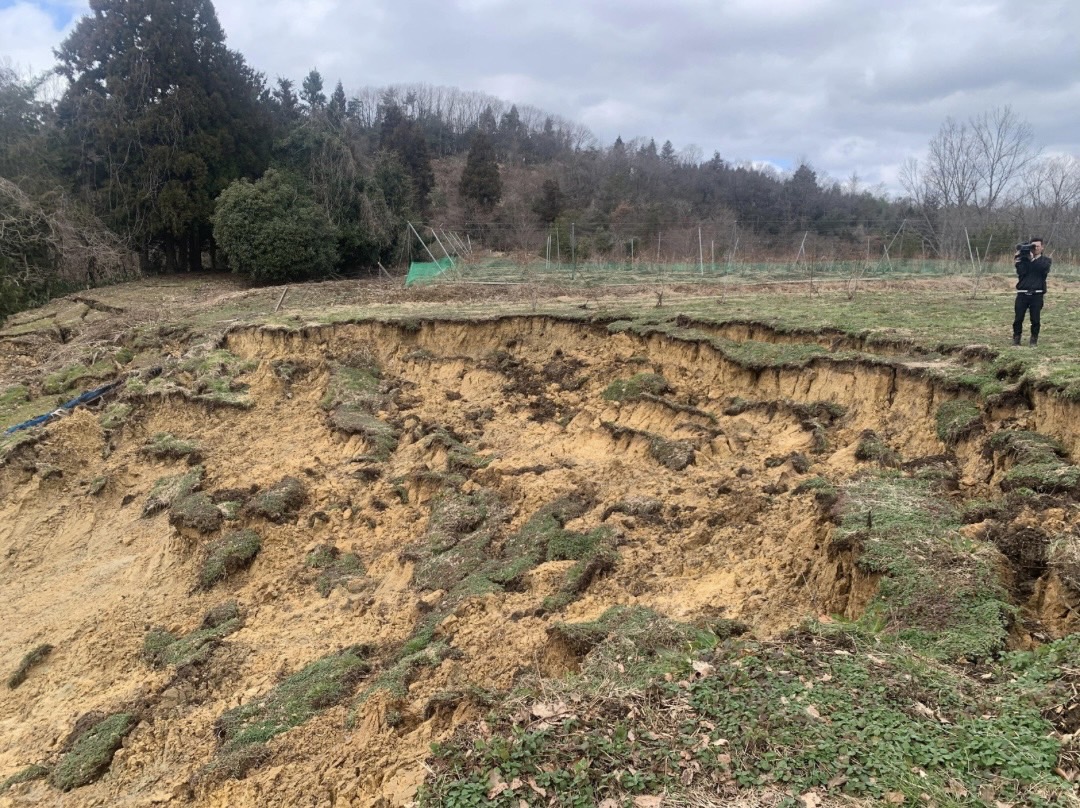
(700, 254)
(448, 258)
(573, 252)
(429, 252)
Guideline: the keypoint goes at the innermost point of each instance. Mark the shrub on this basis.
(272, 231)
(33, 658)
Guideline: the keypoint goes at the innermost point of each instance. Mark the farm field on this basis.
(646, 544)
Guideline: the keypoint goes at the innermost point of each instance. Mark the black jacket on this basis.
(1031, 275)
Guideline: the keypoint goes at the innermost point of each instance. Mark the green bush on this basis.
(92, 753)
(228, 555)
(271, 231)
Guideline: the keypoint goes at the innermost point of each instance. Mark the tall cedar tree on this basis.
(480, 181)
(158, 119)
(406, 139)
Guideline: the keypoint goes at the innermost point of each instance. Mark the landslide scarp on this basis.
(414, 520)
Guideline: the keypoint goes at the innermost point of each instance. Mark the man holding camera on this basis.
(1032, 267)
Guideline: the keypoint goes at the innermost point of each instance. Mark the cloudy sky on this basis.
(852, 86)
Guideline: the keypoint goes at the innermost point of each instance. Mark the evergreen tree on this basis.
(312, 92)
(159, 116)
(480, 180)
(405, 138)
(337, 103)
(551, 201)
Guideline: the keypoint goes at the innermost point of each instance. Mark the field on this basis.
(757, 540)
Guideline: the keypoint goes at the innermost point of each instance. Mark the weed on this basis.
(1038, 463)
(957, 420)
(164, 446)
(321, 684)
(92, 752)
(631, 389)
(278, 503)
(34, 772)
(32, 659)
(354, 419)
(115, 415)
(413, 658)
(228, 555)
(871, 447)
(336, 567)
(168, 490)
(195, 512)
(673, 454)
(939, 592)
(69, 377)
(96, 486)
(824, 491)
(162, 649)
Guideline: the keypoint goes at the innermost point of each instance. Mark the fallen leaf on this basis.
(810, 799)
(544, 710)
(703, 669)
(813, 713)
(648, 802)
(923, 710)
(687, 777)
(608, 803)
(836, 781)
(532, 784)
(496, 784)
(876, 660)
(894, 797)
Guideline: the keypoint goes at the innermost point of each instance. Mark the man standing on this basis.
(1032, 267)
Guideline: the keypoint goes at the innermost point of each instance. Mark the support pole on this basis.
(573, 252)
(434, 260)
(700, 254)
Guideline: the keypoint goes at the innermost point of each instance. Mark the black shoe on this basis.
(1033, 342)
(1016, 340)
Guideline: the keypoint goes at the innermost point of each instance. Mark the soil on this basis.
(725, 536)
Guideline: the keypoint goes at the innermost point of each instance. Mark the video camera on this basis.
(1023, 251)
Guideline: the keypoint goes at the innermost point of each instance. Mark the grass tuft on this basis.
(168, 490)
(228, 555)
(92, 752)
(632, 389)
(957, 420)
(278, 503)
(31, 660)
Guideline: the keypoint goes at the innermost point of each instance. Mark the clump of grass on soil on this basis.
(335, 568)
(31, 660)
(196, 512)
(33, 772)
(91, 752)
(939, 591)
(354, 419)
(824, 491)
(957, 420)
(162, 648)
(278, 503)
(1039, 463)
(165, 446)
(632, 389)
(872, 447)
(244, 730)
(212, 377)
(115, 415)
(168, 490)
(227, 556)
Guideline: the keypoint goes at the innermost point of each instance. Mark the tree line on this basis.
(166, 152)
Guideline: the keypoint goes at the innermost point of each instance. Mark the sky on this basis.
(852, 87)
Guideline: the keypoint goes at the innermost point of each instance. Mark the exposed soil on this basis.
(722, 532)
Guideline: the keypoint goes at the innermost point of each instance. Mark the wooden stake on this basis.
(278, 306)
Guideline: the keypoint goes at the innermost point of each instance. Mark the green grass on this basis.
(115, 415)
(92, 752)
(826, 709)
(163, 649)
(321, 684)
(31, 660)
(165, 446)
(195, 512)
(939, 592)
(633, 388)
(335, 568)
(872, 447)
(227, 556)
(1039, 465)
(278, 503)
(957, 420)
(168, 490)
(30, 773)
(70, 377)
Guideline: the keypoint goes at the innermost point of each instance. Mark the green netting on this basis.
(424, 272)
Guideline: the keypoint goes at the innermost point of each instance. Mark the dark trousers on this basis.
(1030, 303)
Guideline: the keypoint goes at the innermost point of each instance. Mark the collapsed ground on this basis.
(280, 562)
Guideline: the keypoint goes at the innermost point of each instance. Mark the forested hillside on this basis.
(164, 150)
